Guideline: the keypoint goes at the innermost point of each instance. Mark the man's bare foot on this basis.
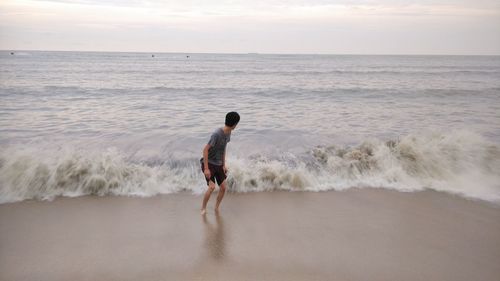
(217, 210)
(203, 211)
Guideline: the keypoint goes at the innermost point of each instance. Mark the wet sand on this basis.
(357, 234)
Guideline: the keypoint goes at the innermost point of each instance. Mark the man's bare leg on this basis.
(222, 190)
(211, 187)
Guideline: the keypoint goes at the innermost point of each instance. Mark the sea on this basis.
(135, 124)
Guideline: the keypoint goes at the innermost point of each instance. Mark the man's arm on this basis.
(224, 161)
(206, 170)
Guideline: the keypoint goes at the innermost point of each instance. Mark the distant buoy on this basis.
(187, 57)
(12, 53)
(152, 56)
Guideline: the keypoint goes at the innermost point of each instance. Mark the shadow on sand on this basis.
(214, 237)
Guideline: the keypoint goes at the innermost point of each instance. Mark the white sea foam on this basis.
(461, 163)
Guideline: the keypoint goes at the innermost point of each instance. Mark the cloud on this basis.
(324, 26)
(126, 3)
(260, 10)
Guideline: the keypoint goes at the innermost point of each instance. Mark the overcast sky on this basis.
(263, 26)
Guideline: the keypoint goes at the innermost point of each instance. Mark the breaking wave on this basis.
(461, 163)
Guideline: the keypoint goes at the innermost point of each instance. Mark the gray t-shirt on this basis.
(217, 142)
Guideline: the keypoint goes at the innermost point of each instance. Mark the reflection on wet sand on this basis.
(214, 237)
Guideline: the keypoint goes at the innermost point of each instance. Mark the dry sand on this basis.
(352, 235)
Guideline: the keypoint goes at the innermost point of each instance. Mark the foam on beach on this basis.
(461, 163)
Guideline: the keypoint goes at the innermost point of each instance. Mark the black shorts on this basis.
(216, 173)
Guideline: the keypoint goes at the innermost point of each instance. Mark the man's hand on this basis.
(225, 169)
(207, 173)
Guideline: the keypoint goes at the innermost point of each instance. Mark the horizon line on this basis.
(250, 53)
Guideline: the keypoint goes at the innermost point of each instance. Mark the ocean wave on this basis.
(305, 72)
(461, 163)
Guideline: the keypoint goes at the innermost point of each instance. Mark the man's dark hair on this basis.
(232, 118)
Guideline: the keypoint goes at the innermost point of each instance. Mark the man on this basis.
(213, 163)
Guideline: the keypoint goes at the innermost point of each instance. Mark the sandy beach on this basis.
(359, 234)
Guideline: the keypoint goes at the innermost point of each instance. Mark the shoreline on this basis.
(356, 234)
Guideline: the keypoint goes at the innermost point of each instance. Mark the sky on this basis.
(459, 27)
